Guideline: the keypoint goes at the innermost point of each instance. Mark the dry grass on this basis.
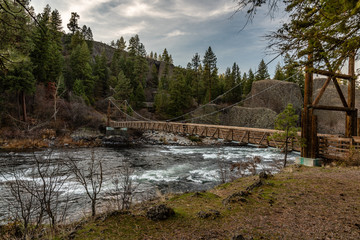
(299, 203)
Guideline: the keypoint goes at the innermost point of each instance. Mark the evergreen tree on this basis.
(210, 71)
(293, 72)
(179, 95)
(121, 44)
(73, 25)
(101, 72)
(249, 81)
(262, 72)
(139, 96)
(286, 122)
(46, 56)
(123, 89)
(22, 82)
(81, 70)
(279, 73)
(195, 63)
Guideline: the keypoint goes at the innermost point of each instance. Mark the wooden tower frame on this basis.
(309, 120)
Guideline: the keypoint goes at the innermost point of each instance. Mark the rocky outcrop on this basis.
(237, 116)
(274, 95)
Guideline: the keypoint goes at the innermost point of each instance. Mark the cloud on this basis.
(176, 33)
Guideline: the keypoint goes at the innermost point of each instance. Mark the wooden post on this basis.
(306, 126)
(108, 113)
(314, 140)
(351, 115)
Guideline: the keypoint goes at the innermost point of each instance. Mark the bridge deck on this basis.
(330, 146)
(242, 135)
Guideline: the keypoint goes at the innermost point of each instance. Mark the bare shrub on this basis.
(125, 188)
(89, 175)
(223, 169)
(243, 168)
(353, 159)
(35, 195)
(277, 164)
(77, 114)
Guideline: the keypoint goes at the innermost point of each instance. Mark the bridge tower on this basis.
(309, 119)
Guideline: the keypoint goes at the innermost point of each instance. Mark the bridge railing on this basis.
(229, 133)
(329, 146)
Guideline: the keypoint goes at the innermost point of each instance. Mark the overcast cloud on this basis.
(184, 27)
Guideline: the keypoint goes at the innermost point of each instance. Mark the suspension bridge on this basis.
(314, 145)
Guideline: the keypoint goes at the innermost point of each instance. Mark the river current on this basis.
(155, 169)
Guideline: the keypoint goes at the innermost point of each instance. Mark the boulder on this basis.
(160, 212)
(274, 95)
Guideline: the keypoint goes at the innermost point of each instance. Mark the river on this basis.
(156, 170)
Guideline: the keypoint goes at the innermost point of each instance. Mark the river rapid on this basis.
(155, 170)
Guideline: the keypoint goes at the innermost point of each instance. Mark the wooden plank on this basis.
(341, 95)
(332, 74)
(246, 132)
(333, 108)
(262, 138)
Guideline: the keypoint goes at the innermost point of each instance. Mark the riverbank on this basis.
(298, 203)
(47, 138)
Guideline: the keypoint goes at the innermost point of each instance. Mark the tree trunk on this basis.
(286, 151)
(23, 105)
(93, 208)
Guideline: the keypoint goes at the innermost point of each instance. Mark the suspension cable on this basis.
(111, 100)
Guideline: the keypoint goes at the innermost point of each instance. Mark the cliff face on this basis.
(274, 95)
(237, 116)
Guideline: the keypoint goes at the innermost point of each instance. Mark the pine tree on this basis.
(286, 122)
(139, 96)
(46, 56)
(210, 68)
(121, 44)
(262, 72)
(179, 95)
(73, 23)
(123, 89)
(249, 81)
(81, 70)
(279, 73)
(101, 72)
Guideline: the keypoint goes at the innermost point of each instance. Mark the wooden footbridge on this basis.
(329, 146)
(315, 145)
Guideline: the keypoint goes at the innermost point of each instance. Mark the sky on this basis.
(183, 27)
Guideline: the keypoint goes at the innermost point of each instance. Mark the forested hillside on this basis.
(50, 76)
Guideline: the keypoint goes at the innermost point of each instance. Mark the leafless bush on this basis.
(35, 194)
(242, 168)
(89, 176)
(277, 164)
(125, 188)
(223, 170)
(353, 159)
(77, 113)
